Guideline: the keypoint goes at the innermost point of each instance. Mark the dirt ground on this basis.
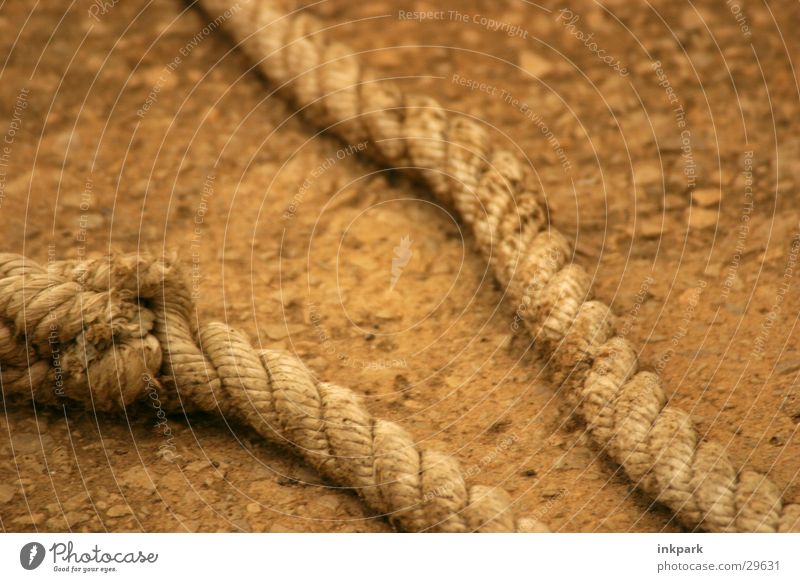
(665, 135)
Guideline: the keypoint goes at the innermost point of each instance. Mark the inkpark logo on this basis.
(31, 555)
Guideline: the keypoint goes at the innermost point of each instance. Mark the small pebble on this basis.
(551, 493)
(6, 493)
(788, 367)
(707, 196)
(118, 510)
(535, 64)
(701, 218)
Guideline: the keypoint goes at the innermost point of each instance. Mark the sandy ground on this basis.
(671, 158)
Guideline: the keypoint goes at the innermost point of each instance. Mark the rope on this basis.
(106, 333)
(625, 409)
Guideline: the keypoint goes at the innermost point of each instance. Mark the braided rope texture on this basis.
(103, 332)
(625, 409)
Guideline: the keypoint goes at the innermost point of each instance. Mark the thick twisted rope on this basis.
(625, 409)
(106, 333)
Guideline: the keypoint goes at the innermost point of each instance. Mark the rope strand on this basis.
(625, 409)
(101, 332)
